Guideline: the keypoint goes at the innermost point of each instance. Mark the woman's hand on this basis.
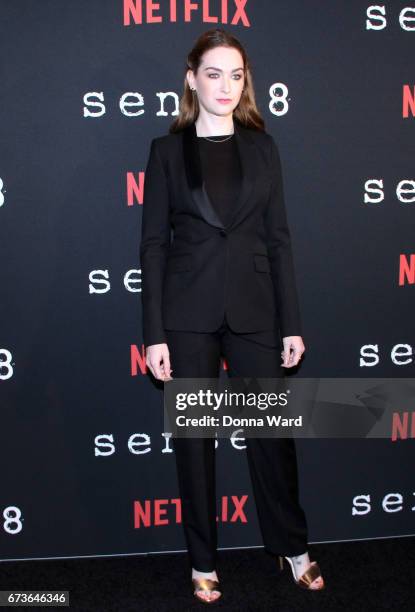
(158, 361)
(291, 359)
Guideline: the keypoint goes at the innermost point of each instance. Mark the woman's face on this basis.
(219, 80)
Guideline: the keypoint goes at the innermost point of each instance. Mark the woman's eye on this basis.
(215, 74)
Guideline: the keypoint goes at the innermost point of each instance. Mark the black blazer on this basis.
(194, 268)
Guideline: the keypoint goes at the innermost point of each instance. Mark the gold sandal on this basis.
(206, 585)
(308, 577)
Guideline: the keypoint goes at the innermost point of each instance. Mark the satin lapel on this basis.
(248, 157)
(195, 179)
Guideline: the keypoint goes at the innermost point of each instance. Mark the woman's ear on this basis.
(189, 77)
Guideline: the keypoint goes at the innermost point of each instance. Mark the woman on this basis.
(223, 283)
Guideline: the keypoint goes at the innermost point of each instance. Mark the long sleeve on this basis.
(155, 240)
(280, 252)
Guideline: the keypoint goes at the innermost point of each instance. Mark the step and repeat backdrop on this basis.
(86, 466)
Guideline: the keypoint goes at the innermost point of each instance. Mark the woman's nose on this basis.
(225, 86)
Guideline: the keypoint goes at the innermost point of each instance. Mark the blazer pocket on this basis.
(179, 263)
(262, 263)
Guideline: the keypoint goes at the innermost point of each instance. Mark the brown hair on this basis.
(246, 112)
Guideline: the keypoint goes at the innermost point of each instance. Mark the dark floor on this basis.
(360, 576)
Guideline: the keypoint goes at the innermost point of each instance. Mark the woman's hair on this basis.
(246, 112)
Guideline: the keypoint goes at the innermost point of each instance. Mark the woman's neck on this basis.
(223, 128)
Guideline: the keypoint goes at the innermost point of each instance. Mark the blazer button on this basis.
(223, 232)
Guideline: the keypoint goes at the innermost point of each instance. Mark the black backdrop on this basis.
(85, 461)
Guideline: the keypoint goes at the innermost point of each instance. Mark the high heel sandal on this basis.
(206, 585)
(308, 577)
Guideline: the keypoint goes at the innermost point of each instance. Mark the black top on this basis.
(222, 173)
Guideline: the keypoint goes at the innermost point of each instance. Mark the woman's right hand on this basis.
(158, 361)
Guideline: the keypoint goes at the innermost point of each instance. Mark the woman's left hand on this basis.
(294, 343)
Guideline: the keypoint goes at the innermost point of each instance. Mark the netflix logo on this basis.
(408, 101)
(407, 269)
(139, 12)
(158, 512)
(403, 426)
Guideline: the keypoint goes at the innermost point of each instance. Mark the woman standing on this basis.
(223, 284)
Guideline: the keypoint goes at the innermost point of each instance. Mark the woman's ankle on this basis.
(203, 574)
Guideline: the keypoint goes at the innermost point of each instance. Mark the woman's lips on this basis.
(224, 100)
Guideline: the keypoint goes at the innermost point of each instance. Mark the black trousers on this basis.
(272, 461)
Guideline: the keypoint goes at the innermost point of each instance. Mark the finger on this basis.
(150, 364)
(296, 356)
(286, 358)
(166, 363)
(164, 373)
(291, 356)
(150, 367)
(158, 372)
(165, 369)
